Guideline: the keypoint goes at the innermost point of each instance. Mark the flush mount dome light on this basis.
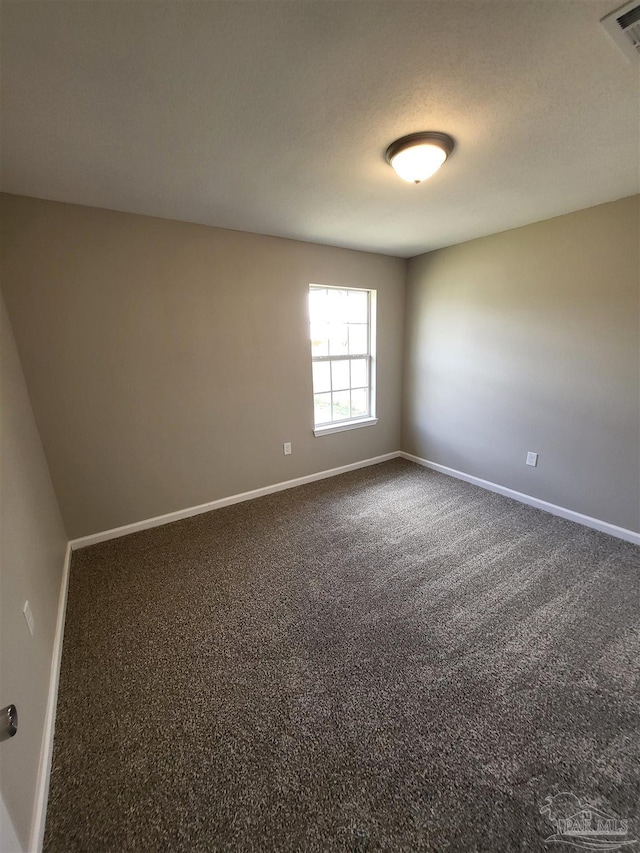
(419, 155)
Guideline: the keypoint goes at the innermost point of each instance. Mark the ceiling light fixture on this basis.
(419, 155)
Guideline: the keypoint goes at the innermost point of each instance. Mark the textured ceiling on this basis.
(273, 117)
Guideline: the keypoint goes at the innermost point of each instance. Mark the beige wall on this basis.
(32, 549)
(530, 340)
(168, 362)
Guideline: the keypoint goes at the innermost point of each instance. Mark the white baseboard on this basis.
(46, 749)
(553, 509)
(563, 512)
(157, 521)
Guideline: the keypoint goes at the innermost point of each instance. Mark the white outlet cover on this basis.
(287, 448)
(532, 458)
(28, 615)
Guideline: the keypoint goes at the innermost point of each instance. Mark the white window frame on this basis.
(366, 420)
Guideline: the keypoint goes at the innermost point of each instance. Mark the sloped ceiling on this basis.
(273, 117)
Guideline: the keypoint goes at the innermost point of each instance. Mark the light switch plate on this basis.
(532, 458)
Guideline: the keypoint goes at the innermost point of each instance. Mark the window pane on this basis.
(321, 377)
(337, 305)
(338, 337)
(340, 333)
(359, 406)
(359, 377)
(322, 408)
(358, 307)
(341, 406)
(318, 308)
(339, 375)
(319, 339)
(357, 339)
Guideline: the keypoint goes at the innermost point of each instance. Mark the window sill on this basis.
(329, 428)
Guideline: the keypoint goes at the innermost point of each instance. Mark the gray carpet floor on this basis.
(387, 660)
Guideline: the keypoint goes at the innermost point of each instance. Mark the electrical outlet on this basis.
(287, 448)
(532, 459)
(28, 615)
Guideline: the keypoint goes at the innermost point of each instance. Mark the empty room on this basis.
(320, 426)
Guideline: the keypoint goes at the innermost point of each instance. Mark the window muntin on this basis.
(342, 356)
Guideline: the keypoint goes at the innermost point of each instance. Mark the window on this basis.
(342, 323)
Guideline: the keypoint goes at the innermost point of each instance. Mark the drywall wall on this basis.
(32, 551)
(168, 362)
(8, 837)
(530, 340)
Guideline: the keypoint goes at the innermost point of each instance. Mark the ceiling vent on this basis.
(623, 26)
